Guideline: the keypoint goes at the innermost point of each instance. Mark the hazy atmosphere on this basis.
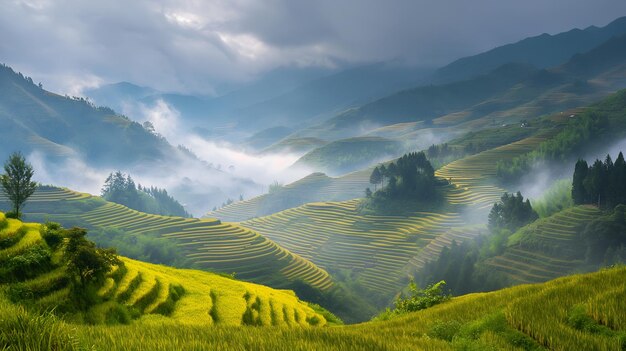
(281, 175)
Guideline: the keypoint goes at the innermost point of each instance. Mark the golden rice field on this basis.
(527, 317)
(161, 293)
(209, 243)
(381, 250)
(551, 248)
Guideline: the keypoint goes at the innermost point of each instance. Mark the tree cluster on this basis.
(602, 184)
(121, 189)
(511, 213)
(410, 176)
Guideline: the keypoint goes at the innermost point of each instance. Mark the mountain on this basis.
(34, 119)
(541, 51)
(510, 93)
(75, 139)
(323, 97)
(117, 95)
(204, 110)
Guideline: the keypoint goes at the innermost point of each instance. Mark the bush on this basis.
(444, 330)
(419, 299)
(12, 238)
(28, 265)
(12, 214)
(52, 233)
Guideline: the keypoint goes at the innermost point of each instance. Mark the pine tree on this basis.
(375, 177)
(579, 193)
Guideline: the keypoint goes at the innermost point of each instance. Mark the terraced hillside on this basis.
(546, 249)
(380, 250)
(185, 296)
(208, 243)
(312, 188)
(473, 175)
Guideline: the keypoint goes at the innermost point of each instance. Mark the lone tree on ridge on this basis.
(16, 181)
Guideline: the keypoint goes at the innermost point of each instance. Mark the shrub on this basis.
(52, 233)
(419, 299)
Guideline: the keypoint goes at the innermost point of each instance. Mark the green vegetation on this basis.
(410, 182)
(16, 182)
(555, 199)
(417, 300)
(605, 238)
(578, 133)
(121, 189)
(511, 212)
(595, 126)
(149, 247)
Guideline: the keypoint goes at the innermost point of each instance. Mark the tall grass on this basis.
(527, 317)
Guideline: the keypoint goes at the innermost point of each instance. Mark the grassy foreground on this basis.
(581, 312)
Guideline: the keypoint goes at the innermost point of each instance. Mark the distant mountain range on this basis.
(507, 94)
(541, 51)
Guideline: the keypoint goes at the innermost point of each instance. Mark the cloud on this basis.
(195, 46)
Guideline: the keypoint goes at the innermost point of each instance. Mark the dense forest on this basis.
(121, 189)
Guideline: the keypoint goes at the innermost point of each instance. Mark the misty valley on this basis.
(238, 176)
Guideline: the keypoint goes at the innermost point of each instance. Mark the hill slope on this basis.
(208, 243)
(379, 251)
(34, 119)
(184, 296)
(581, 312)
(549, 248)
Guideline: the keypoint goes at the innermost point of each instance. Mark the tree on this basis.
(16, 182)
(579, 194)
(85, 262)
(383, 173)
(375, 177)
(511, 213)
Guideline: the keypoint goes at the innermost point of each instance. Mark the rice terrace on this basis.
(301, 175)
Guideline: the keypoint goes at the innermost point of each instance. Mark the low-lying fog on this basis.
(225, 173)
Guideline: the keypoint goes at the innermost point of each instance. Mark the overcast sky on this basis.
(193, 46)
